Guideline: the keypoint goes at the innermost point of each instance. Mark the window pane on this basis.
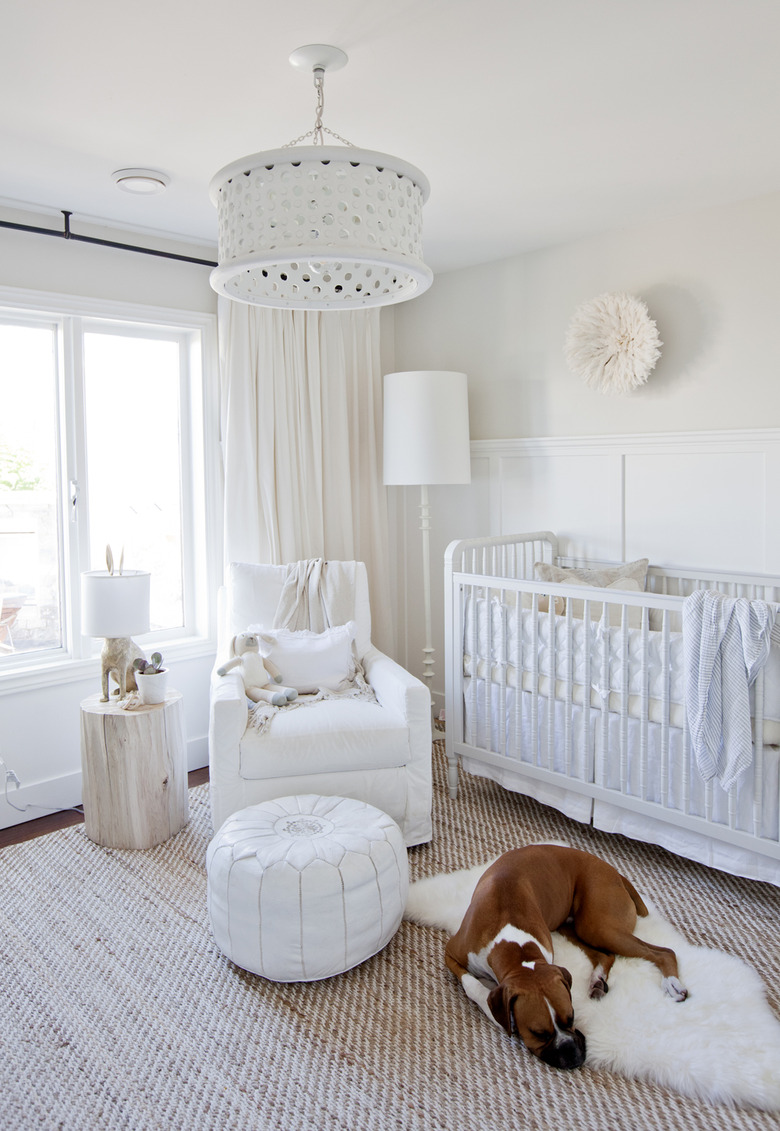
(133, 462)
(30, 611)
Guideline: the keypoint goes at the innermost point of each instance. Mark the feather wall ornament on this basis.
(612, 343)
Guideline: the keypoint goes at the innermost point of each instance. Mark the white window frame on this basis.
(201, 477)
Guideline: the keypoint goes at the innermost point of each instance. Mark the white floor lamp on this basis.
(426, 442)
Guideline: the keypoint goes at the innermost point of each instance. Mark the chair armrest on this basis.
(399, 691)
(228, 713)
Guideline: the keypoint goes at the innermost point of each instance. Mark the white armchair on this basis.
(375, 751)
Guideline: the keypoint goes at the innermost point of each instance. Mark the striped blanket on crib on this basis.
(726, 642)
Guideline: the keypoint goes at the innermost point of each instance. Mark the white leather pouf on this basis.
(302, 888)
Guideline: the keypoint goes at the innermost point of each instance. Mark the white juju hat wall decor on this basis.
(612, 343)
(320, 226)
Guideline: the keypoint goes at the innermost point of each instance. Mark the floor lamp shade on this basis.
(426, 428)
(115, 604)
(426, 442)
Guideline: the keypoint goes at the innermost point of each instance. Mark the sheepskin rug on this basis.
(722, 1044)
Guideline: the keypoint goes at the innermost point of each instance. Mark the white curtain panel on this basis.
(301, 406)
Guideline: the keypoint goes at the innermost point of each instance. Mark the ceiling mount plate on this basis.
(319, 57)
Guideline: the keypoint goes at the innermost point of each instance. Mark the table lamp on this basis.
(115, 605)
(426, 442)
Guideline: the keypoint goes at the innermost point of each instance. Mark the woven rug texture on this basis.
(119, 1012)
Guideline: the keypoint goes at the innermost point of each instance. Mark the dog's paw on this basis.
(675, 989)
(597, 986)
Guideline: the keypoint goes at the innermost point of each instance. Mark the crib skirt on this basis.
(652, 764)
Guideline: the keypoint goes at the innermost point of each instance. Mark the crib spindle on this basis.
(518, 665)
(473, 598)
(535, 678)
(665, 707)
(624, 689)
(551, 667)
(758, 755)
(502, 673)
(568, 629)
(604, 690)
(644, 707)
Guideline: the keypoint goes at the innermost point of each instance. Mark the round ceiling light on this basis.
(142, 182)
(320, 226)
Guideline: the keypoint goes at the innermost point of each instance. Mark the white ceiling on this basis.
(536, 121)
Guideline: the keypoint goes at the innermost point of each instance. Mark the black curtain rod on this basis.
(67, 234)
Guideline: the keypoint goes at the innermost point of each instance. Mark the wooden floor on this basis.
(29, 830)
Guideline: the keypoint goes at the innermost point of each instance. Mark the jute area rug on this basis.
(118, 1011)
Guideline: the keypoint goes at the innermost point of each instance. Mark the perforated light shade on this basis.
(115, 604)
(320, 227)
(426, 428)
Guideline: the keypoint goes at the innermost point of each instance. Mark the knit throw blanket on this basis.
(317, 595)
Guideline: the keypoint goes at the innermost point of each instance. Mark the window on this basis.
(101, 443)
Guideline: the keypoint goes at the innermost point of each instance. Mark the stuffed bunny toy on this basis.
(256, 672)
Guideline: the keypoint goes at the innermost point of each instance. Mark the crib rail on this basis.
(593, 703)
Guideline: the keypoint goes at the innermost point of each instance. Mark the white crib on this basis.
(575, 696)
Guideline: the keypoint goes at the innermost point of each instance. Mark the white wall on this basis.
(42, 263)
(40, 725)
(710, 281)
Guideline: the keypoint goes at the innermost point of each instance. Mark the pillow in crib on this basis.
(635, 571)
(559, 603)
(627, 584)
(629, 576)
(309, 661)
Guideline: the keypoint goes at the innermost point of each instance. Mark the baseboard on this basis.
(32, 800)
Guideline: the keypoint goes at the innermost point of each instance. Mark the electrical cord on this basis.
(11, 776)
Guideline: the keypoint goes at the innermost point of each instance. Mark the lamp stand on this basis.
(116, 660)
(425, 527)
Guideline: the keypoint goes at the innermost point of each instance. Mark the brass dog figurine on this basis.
(116, 660)
(506, 938)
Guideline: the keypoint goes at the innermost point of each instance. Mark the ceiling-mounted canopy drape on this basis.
(301, 435)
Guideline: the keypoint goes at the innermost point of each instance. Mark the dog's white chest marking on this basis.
(478, 961)
(479, 967)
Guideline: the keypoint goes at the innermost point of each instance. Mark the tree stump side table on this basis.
(134, 772)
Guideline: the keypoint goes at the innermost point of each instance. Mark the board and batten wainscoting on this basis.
(687, 498)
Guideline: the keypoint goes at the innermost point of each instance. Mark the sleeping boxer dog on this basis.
(505, 937)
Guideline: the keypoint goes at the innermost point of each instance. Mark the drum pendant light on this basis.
(321, 227)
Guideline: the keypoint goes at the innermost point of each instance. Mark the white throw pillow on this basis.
(309, 661)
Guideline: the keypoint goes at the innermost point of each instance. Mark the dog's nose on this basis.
(568, 1053)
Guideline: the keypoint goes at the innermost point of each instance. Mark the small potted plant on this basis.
(151, 679)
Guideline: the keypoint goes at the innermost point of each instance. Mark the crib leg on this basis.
(452, 776)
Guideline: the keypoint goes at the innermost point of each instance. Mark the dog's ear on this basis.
(501, 1004)
(566, 976)
(233, 647)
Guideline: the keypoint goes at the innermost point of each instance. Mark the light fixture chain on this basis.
(318, 129)
(319, 86)
(295, 140)
(338, 137)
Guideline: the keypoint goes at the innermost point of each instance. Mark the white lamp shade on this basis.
(114, 604)
(426, 428)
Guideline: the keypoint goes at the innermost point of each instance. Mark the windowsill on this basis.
(39, 674)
